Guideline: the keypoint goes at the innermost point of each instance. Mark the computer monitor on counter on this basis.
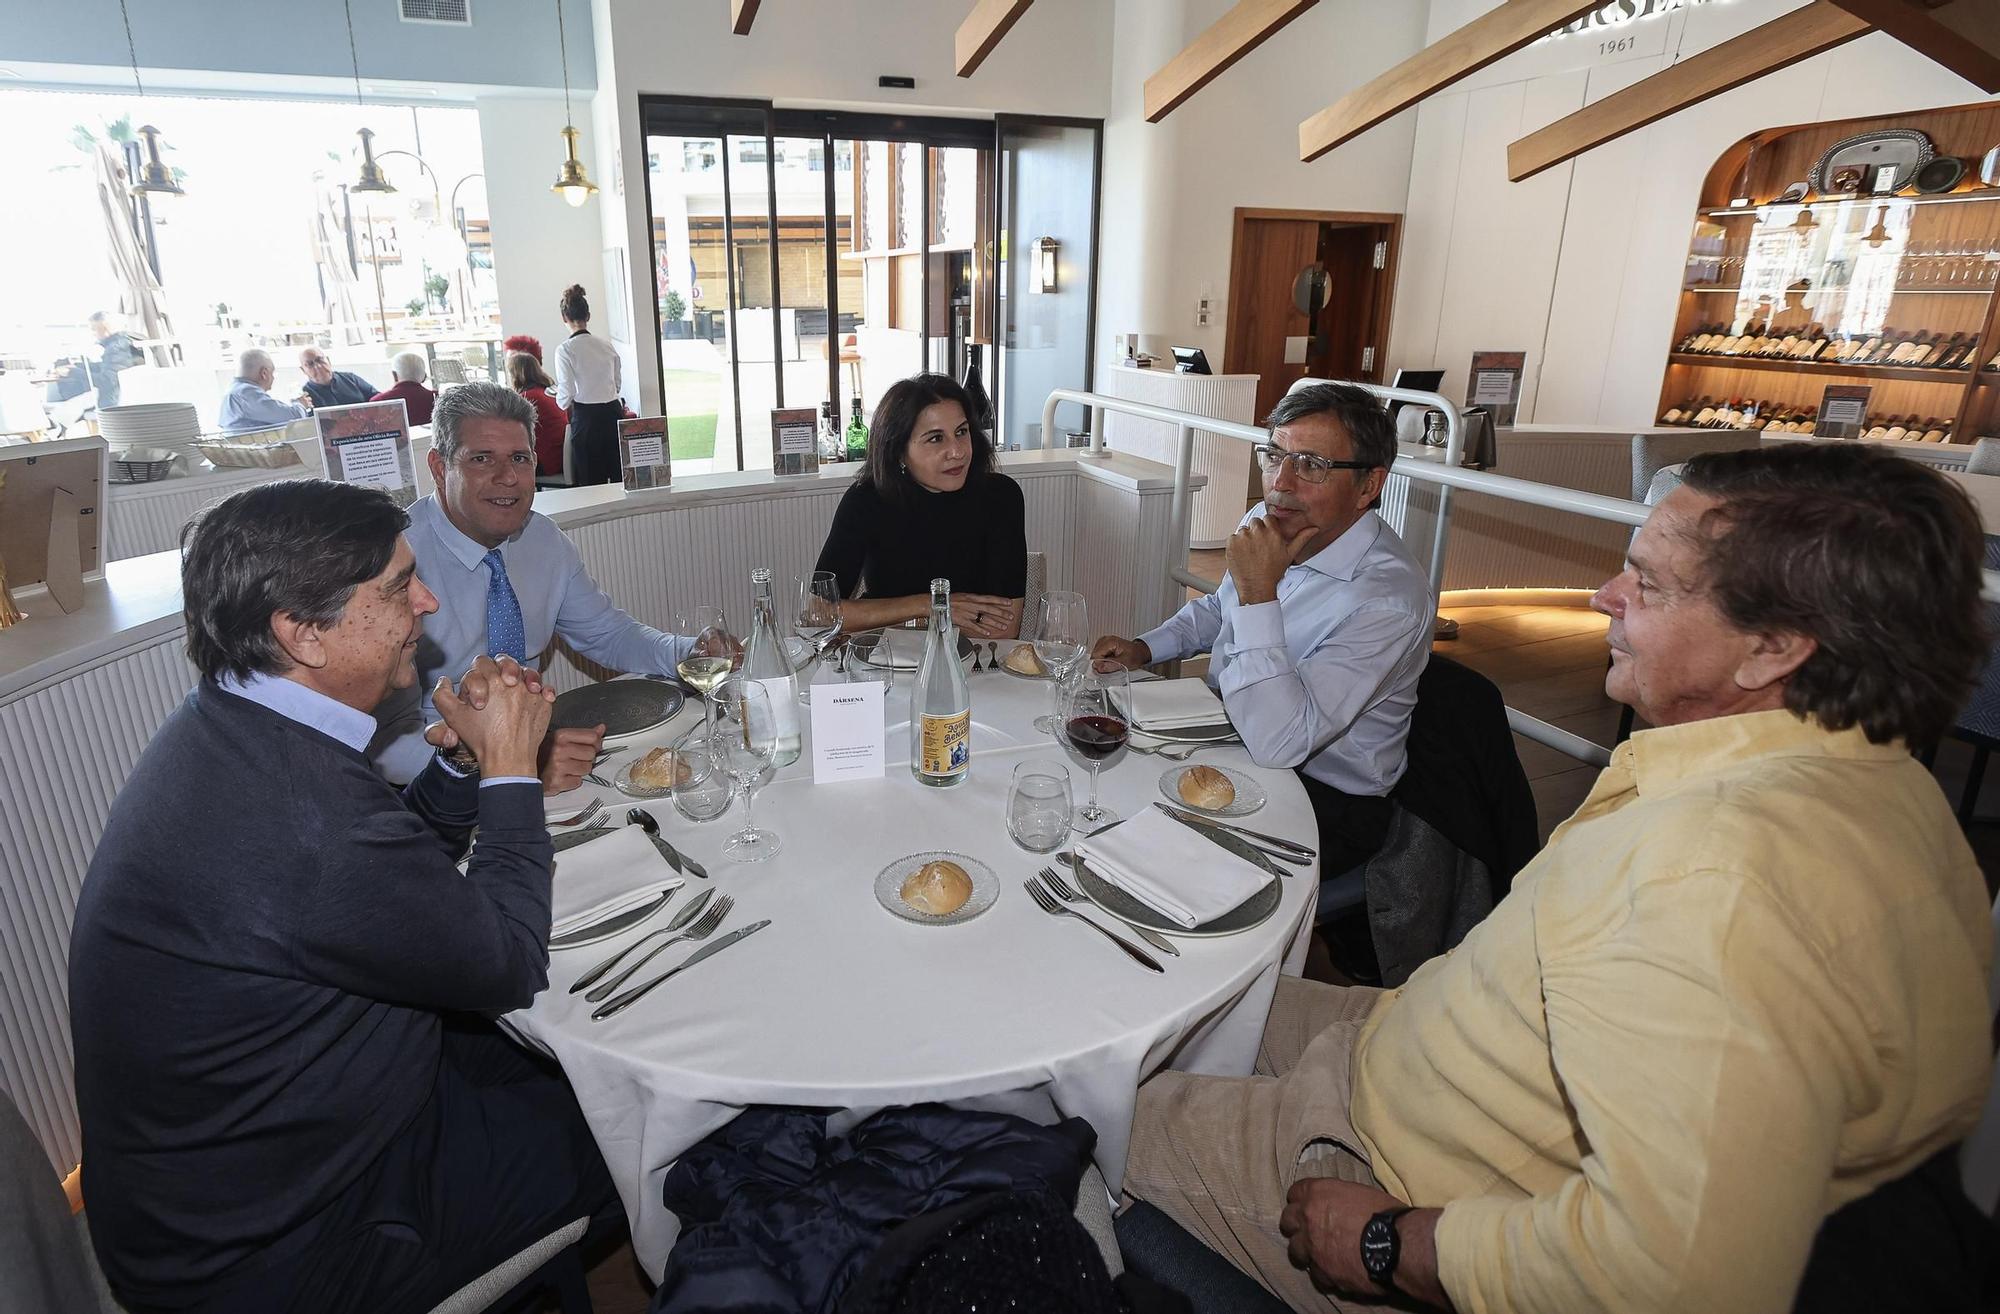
(1191, 360)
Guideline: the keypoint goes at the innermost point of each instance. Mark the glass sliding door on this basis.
(1048, 272)
(807, 257)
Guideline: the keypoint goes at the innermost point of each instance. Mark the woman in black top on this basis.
(929, 504)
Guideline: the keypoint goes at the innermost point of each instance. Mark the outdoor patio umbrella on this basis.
(140, 297)
(337, 279)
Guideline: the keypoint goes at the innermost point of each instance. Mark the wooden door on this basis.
(1346, 335)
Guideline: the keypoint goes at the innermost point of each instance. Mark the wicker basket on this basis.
(141, 465)
(266, 456)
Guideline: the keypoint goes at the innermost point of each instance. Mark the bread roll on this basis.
(660, 769)
(1024, 661)
(937, 888)
(1205, 787)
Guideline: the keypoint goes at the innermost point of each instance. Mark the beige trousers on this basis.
(1217, 1154)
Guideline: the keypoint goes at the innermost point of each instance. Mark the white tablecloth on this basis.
(838, 1004)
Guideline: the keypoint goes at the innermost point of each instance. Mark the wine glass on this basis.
(743, 743)
(1062, 639)
(1095, 732)
(816, 616)
(714, 653)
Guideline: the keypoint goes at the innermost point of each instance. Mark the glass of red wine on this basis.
(1095, 732)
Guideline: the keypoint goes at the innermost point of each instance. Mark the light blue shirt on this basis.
(331, 717)
(246, 406)
(557, 597)
(1325, 677)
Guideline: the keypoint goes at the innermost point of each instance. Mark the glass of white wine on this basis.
(714, 653)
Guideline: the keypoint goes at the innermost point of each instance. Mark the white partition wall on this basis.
(1224, 462)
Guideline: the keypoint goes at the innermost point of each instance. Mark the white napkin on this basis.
(607, 876)
(1174, 704)
(1165, 866)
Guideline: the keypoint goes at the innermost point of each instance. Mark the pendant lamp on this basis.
(572, 182)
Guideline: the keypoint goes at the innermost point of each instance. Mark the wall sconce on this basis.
(1045, 264)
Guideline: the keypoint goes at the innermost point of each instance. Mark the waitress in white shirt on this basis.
(587, 387)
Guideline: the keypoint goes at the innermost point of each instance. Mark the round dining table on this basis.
(840, 1005)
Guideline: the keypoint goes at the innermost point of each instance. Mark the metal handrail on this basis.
(1446, 474)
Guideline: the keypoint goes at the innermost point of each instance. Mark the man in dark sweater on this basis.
(287, 1101)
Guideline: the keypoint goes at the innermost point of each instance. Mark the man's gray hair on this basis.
(476, 401)
(409, 366)
(1360, 413)
(252, 362)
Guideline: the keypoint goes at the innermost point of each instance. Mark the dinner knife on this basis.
(1248, 852)
(612, 925)
(1274, 841)
(619, 1002)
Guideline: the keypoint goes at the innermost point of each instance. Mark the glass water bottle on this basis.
(941, 704)
(765, 661)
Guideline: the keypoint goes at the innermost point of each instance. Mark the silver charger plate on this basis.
(1214, 733)
(604, 930)
(1249, 794)
(622, 707)
(1248, 915)
(569, 839)
(889, 887)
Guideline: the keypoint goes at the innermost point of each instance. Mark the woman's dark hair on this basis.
(1875, 557)
(298, 546)
(895, 423)
(575, 305)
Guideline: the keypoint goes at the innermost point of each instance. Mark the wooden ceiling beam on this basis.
(1493, 35)
(1783, 41)
(1962, 35)
(989, 21)
(742, 13)
(1210, 55)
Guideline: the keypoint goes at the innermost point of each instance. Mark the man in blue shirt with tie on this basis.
(507, 581)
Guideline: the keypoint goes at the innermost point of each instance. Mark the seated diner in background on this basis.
(249, 405)
(928, 504)
(1323, 624)
(1742, 986)
(507, 582)
(409, 387)
(527, 377)
(330, 387)
(288, 1099)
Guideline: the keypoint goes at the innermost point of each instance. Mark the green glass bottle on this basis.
(857, 435)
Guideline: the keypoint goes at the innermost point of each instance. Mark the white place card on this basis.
(848, 733)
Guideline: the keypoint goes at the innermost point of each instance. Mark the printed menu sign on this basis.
(847, 731)
(369, 444)
(644, 453)
(794, 441)
(1495, 382)
(1843, 412)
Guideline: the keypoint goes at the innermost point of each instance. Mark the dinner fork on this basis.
(592, 778)
(1048, 903)
(703, 927)
(1167, 751)
(589, 814)
(1062, 890)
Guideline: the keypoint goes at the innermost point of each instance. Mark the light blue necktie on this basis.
(505, 636)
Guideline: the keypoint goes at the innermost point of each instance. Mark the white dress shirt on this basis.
(586, 370)
(557, 596)
(1325, 677)
(246, 407)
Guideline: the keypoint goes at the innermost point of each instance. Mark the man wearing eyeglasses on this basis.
(328, 386)
(1319, 633)
(507, 581)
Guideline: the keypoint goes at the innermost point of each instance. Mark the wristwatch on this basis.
(1381, 1246)
(461, 761)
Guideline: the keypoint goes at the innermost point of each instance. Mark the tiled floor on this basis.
(1549, 662)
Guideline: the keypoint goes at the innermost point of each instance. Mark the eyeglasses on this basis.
(1310, 469)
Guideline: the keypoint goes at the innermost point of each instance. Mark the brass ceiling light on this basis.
(372, 178)
(156, 179)
(572, 182)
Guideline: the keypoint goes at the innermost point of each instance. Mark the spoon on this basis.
(644, 821)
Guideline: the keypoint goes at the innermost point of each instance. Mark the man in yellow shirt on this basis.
(1742, 986)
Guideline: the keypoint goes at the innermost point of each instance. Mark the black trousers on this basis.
(499, 1158)
(593, 443)
(1351, 826)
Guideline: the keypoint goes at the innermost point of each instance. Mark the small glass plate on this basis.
(889, 887)
(1002, 665)
(623, 782)
(1249, 794)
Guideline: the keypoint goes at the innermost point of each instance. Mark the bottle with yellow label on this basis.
(941, 704)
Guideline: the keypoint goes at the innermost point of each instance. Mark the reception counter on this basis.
(81, 694)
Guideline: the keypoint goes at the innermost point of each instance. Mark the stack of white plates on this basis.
(150, 424)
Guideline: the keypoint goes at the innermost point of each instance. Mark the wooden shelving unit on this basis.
(1932, 268)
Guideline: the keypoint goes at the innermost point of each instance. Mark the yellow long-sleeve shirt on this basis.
(1744, 984)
